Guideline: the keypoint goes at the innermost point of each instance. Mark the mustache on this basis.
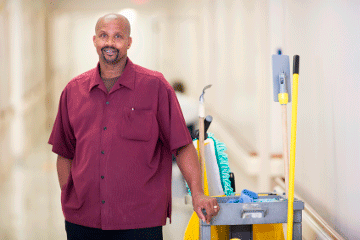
(108, 48)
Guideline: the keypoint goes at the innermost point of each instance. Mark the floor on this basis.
(30, 201)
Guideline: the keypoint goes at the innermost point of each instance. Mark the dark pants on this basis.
(77, 232)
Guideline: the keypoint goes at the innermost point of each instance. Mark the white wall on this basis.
(232, 55)
(214, 44)
(33, 55)
(326, 36)
(6, 110)
(4, 56)
(22, 67)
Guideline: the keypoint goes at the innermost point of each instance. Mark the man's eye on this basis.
(103, 35)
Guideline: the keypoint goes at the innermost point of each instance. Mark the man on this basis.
(115, 132)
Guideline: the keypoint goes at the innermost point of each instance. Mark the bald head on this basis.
(122, 20)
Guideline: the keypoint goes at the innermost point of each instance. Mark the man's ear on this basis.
(94, 40)
(130, 42)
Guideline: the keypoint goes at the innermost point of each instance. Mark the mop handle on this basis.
(202, 138)
(290, 217)
(285, 147)
(283, 97)
(202, 151)
(201, 141)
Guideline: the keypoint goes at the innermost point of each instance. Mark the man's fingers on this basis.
(210, 212)
(213, 209)
(200, 214)
(206, 208)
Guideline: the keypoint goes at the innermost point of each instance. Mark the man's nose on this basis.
(111, 41)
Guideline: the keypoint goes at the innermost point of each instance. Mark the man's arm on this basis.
(187, 160)
(63, 166)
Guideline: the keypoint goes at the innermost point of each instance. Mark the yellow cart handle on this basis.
(290, 218)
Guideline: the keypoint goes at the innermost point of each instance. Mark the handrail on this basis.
(313, 214)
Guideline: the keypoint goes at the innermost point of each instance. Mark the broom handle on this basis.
(285, 146)
(290, 217)
(202, 150)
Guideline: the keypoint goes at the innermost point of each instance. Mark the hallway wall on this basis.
(325, 36)
(33, 96)
(6, 109)
(226, 44)
(22, 57)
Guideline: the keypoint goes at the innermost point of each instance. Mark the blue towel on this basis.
(249, 193)
(245, 197)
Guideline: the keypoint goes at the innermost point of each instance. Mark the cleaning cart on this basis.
(260, 216)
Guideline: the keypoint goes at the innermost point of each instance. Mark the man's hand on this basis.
(187, 160)
(210, 205)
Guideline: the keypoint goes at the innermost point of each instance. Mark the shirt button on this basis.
(105, 128)
(102, 177)
(107, 102)
(102, 152)
(103, 201)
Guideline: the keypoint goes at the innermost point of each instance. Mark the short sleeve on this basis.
(62, 136)
(173, 130)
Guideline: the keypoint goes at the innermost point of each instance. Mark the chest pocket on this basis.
(137, 124)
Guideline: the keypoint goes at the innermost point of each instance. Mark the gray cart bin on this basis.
(240, 216)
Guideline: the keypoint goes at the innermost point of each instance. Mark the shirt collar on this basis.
(126, 79)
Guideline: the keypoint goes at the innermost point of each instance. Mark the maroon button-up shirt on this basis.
(120, 144)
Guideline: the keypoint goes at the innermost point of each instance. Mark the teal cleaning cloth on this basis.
(223, 163)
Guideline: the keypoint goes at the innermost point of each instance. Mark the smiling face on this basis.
(112, 39)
